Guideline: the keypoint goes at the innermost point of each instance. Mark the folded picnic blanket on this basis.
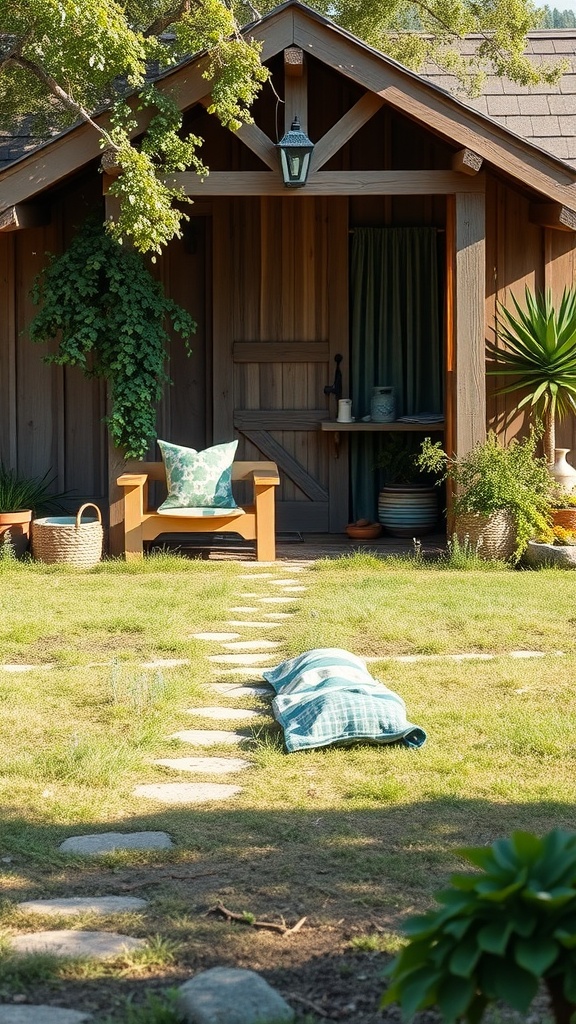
(327, 696)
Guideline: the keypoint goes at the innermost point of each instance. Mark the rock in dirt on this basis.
(69, 905)
(109, 842)
(67, 942)
(227, 995)
(40, 1015)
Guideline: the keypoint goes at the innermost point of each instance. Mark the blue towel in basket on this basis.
(327, 696)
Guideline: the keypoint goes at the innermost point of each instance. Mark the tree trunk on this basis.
(549, 434)
(561, 1008)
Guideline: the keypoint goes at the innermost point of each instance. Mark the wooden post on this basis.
(469, 390)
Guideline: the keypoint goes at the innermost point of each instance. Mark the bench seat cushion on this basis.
(199, 513)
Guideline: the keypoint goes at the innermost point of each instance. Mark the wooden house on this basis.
(279, 278)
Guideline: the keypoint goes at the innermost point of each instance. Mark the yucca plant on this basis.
(540, 356)
(500, 932)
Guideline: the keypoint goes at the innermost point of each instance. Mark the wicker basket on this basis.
(68, 540)
(492, 536)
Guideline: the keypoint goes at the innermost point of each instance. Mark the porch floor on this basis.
(296, 547)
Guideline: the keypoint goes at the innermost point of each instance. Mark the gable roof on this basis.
(293, 23)
(544, 115)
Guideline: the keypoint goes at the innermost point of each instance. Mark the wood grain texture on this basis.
(465, 161)
(287, 464)
(280, 351)
(344, 129)
(470, 288)
(553, 215)
(327, 183)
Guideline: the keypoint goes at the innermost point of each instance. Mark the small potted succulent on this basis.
(499, 933)
(21, 498)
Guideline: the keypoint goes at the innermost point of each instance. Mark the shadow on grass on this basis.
(350, 872)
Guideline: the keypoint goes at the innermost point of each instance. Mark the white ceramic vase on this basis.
(563, 473)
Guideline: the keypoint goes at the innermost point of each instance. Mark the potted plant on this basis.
(20, 499)
(541, 360)
(408, 499)
(499, 932)
(553, 547)
(502, 494)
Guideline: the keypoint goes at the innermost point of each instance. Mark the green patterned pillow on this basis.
(198, 479)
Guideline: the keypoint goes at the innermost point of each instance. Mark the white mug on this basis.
(344, 410)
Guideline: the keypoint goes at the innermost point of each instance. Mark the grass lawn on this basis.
(354, 839)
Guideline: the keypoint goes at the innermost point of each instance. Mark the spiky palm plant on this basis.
(540, 356)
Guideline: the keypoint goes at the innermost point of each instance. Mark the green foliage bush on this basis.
(498, 933)
(491, 478)
(111, 315)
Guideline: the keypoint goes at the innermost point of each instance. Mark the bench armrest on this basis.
(263, 477)
(132, 480)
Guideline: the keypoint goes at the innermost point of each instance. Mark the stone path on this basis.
(40, 1015)
(71, 905)
(71, 943)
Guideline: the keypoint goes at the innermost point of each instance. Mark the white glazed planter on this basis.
(564, 474)
(538, 555)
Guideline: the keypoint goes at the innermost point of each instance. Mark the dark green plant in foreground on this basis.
(497, 935)
(111, 315)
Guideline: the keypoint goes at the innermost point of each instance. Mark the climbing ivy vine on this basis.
(111, 316)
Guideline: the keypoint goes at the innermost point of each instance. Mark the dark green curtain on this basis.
(395, 337)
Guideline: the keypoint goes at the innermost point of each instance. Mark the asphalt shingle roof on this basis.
(543, 114)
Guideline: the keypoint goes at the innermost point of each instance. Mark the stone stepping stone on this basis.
(207, 737)
(254, 625)
(239, 659)
(40, 1015)
(25, 668)
(187, 792)
(278, 615)
(240, 671)
(276, 600)
(233, 690)
(69, 905)
(109, 842)
(223, 714)
(256, 575)
(294, 590)
(282, 583)
(67, 942)
(166, 663)
(214, 636)
(232, 994)
(529, 654)
(243, 608)
(207, 765)
(251, 645)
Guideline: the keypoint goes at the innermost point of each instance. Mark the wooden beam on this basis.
(329, 183)
(257, 140)
(553, 215)
(294, 61)
(296, 98)
(344, 129)
(280, 351)
(465, 161)
(287, 464)
(279, 419)
(24, 215)
(469, 394)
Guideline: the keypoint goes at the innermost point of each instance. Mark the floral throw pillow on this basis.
(198, 479)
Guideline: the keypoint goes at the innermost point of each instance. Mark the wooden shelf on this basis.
(335, 426)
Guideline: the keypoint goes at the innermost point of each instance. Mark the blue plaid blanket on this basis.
(327, 696)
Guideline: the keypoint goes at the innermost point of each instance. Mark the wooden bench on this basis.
(252, 522)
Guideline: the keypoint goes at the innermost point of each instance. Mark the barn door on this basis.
(280, 316)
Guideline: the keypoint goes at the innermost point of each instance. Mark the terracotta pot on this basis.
(564, 517)
(17, 524)
(368, 532)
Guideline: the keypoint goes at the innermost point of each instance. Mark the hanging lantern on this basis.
(295, 151)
